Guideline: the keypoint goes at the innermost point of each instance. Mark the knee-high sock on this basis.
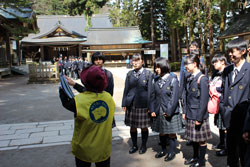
(203, 150)
(222, 136)
(134, 138)
(163, 140)
(144, 135)
(172, 144)
(196, 149)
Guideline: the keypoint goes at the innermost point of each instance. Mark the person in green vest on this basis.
(94, 111)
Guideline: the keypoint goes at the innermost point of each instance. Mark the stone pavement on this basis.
(44, 134)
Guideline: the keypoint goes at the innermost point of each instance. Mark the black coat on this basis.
(165, 97)
(236, 95)
(196, 99)
(137, 90)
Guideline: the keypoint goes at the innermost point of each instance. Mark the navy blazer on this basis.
(165, 97)
(137, 90)
(236, 95)
(196, 99)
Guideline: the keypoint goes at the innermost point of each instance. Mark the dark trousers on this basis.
(80, 163)
(236, 147)
(247, 156)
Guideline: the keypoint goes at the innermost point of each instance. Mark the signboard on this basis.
(149, 52)
(164, 50)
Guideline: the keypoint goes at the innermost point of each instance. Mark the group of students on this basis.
(159, 101)
(159, 96)
(72, 67)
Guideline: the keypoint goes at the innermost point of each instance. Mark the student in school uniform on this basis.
(194, 48)
(135, 102)
(219, 62)
(236, 95)
(246, 137)
(164, 107)
(195, 112)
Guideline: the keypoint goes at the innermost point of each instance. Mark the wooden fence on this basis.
(43, 73)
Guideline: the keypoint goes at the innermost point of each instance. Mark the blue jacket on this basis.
(165, 97)
(137, 90)
(196, 99)
(236, 95)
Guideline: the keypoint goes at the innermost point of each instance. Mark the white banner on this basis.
(164, 50)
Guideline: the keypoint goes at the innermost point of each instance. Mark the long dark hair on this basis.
(163, 64)
(195, 58)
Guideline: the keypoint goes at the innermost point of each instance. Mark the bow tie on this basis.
(161, 82)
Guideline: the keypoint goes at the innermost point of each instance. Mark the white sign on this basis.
(149, 52)
(164, 50)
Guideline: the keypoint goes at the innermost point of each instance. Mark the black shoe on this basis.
(160, 154)
(142, 150)
(198, 164)
(191, 161)
(133, 149)
(221, 152)
(189, 143)
(219, 146)
(169, 157)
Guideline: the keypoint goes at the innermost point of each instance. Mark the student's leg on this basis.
(232, 151)
(242, 150)
(133, 134)
(172, 144)
(105, 163)
(195, 157)
(144, 136)
(80, 163)
(163, 146)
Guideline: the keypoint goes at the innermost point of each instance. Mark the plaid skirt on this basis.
(198, 133)
(168, 125)
(218, 122)
(137, 118)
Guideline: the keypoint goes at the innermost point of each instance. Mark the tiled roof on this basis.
(241, 26)
(109, 36)
(11, 13)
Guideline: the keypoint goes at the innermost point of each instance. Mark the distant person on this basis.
(93, 111)
(127, 62)
(53, 61)
(135, 102)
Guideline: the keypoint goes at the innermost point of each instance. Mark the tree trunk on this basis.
(178, 44)
(173, 44)
(205, 39)
(118, 6)
(152, 28)
(137, 12)
(186, 37)
(210, 28)
(222, 27)
(200, 28)
(8, 55)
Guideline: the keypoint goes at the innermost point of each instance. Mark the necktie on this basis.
(190, 78)
(235, 74)
(137, 74)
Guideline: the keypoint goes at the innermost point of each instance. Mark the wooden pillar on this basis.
(18, 52)
(42, 52)
(89, 56)
(79, 50)
(8, 55)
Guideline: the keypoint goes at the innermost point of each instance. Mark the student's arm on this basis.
(173, 102)
(150, 87)
(67, 103)
(204, 96)
(125, 92)
(152, 98)
(246, 129)
(182, 67)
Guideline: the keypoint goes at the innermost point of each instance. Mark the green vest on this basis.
(92, 138)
